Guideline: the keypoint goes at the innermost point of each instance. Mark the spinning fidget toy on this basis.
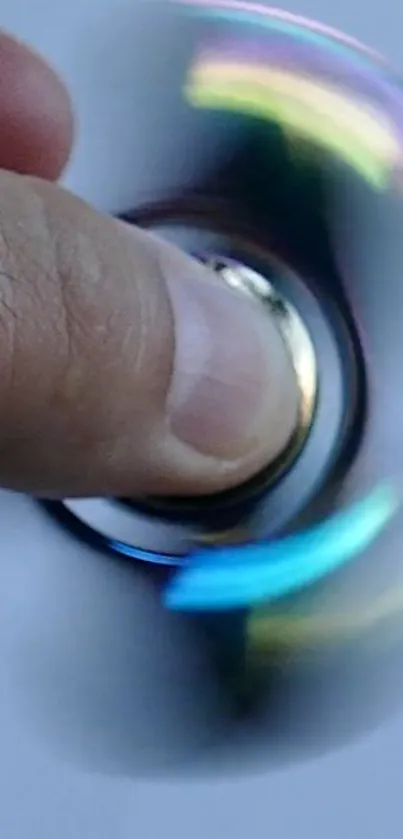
(308, 550)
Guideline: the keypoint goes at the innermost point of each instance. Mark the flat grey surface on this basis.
(67, 624)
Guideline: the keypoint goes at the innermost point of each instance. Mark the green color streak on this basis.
(245, 98)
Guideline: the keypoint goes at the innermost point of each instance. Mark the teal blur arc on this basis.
(247, 576)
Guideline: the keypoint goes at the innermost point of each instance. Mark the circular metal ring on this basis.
(301, 350)
(269, 508)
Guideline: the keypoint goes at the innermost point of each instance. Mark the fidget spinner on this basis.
(302, 217)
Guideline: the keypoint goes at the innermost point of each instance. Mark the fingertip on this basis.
(36, 116)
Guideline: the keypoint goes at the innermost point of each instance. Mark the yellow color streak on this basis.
(265, 632)
(357, 133)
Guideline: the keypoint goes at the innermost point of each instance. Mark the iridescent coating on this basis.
(236, 9)
(327, 91)
(316, 83)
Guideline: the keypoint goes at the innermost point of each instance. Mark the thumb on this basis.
(126, 368)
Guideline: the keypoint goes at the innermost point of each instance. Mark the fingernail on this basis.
(233, 388)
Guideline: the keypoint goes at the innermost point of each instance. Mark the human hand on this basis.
(126, 368)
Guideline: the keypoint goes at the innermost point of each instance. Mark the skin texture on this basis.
(37, 123)
(121, 370)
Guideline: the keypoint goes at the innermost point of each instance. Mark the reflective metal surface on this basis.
(295, 336)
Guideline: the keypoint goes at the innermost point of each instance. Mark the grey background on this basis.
(66, 620)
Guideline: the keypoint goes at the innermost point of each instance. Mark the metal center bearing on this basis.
(325, 355)
(299, 345)
(223, 515)
(294, 333)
